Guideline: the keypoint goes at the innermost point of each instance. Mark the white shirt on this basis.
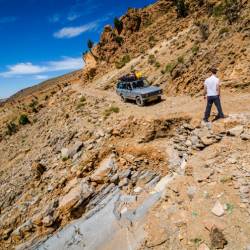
(211, 83)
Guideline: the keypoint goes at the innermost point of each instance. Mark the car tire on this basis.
(123, 98)
(139, 101)
(159, 99)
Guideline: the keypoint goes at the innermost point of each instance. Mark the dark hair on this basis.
(213, 70)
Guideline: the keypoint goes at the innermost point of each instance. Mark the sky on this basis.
(41, 39)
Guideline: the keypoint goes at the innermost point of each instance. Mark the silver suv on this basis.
(138, 90)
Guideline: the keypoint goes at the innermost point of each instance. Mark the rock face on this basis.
(75, 198)
(71, 152)
(236, 131)
(107, 166)
(37, 169)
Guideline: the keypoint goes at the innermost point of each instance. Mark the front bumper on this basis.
(151, 98)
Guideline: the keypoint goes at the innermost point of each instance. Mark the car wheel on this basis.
(139, 101)
(159, 98)
(123, 98)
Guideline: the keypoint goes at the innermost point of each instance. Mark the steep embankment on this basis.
(162, 178)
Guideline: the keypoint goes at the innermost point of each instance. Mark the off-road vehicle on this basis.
(138, 90)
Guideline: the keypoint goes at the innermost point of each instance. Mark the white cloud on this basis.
(68, 63)
(20, 69)
(23, 69)
(73, 16)
(69, 32)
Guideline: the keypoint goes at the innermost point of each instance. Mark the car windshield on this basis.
(140, 84)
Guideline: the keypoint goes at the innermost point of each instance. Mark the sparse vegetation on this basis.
(204, 30)
(82, 102)
(23, 119)
(196, 241)
(157, 65)
(180, 59)
(169, 68)
(181, 8)
(119, 40)
(232, 10)
(218, 10)
(33, 105)
(229, 8)
(151, 59)
(65, 158)
(109, 111)
(223, 30)
(83, 99)
(152, 41)
(11, 128)
(124, 60)
(90, 45)
(195, 49)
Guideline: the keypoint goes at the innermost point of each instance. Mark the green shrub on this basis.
(151, 59)
(124, 60)
(33, 103)
(80, 105)
(204, 31)
(119, 40)
(151, 39)
(232, 10)
(23, 120)
(195, 49)
(169, 67)
(223, 30)
(83, 99)
(109, 111)
(180, 59)
(148, 22)
(11, 128)
(218, 10)
(157, 65)
(181, 8)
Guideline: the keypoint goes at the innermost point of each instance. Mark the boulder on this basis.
(202, 174)
(37, 169)
(218, 209)
(72, 151)
(48, 221)
(75, 197)
(245, 136)
(203, 246)
(101, 175)
(236, 131)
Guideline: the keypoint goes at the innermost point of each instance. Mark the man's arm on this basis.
(205, 90)
(218, 88)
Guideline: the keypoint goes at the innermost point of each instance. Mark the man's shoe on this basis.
(205, 120)
(219, 117)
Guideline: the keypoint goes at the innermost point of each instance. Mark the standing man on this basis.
(212, 93)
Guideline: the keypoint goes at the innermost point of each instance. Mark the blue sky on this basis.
(41, 39)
